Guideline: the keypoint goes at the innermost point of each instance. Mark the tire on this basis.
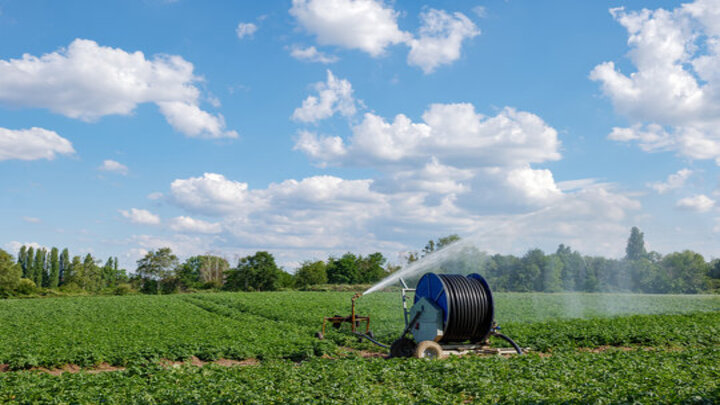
(402, 347)
(427, 349)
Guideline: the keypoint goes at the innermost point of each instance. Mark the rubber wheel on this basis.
(427, 349)
(402, 347)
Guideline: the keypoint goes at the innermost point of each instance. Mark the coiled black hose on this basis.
(470, 313)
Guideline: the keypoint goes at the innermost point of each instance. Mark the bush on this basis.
(123, 289)
(71, 287)
(26, 287)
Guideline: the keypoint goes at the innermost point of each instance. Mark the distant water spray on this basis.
(456, 250)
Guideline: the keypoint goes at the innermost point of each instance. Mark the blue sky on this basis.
(314, 127)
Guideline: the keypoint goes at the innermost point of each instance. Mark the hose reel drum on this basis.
(450, 313)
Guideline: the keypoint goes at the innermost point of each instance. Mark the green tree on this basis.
(10, 274)
(89, 277)
(254, 273)
(433, 246)
(155, 266)
(64, 265)
(551, 274)
(45, 268)
(206, 271)
(22, 259)
(370, 268)
(311, 273)
(528, 276)
(37, 269)
(343, 270)
(28, 266)
(635, 248)
(54, 277)
(686, 272)
(285, 280)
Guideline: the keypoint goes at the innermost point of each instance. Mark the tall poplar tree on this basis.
(45, 268)
(54, 277)
(37, 267)
(635, 249)
(29, 262)
(22, 259)
(64, 265)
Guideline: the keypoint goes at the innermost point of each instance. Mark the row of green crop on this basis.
(142, 329)
(691, 376)
(385, 309)
(122, 330)
(699, 328)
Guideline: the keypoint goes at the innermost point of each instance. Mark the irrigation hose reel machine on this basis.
(451, 314)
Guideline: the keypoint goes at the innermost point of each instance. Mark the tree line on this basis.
(40, 268)
(640, 271)
(160, 271)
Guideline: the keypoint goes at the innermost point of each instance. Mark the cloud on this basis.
(32, 144)
(90, 81)
(155, 196)
(480, 11)
(673, 98)
(534, 184)
(450, 132)
(371, 26)
(673, 182)
(334, 96)
(191, 225)
(211, 194)
(439, 39)
(139, 216)
(14, 246)
(182, 245)
(697, 203)
(367, 25)
(244, 30)
(331, 214)
(311, 54)
(113, 167)
(31, 220)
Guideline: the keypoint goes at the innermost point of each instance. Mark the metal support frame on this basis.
(406, 313)
(354, 319)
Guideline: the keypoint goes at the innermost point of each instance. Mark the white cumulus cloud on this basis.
(211, 194)
(333, 96)
(113, 166)
(192, 225)
(31, 144)
(450, 132)
(672, 99)
(311, 54)
(698, 203)
(371, 26)
(244, 30)
(90, 81)
(367, 25)
(673, 182)
(439, 39)
(139, 216)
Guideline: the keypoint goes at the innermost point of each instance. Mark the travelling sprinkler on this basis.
(451, 314)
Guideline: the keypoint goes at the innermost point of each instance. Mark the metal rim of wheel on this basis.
(429, 349)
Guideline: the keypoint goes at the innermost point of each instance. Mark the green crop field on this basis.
(602, 348)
